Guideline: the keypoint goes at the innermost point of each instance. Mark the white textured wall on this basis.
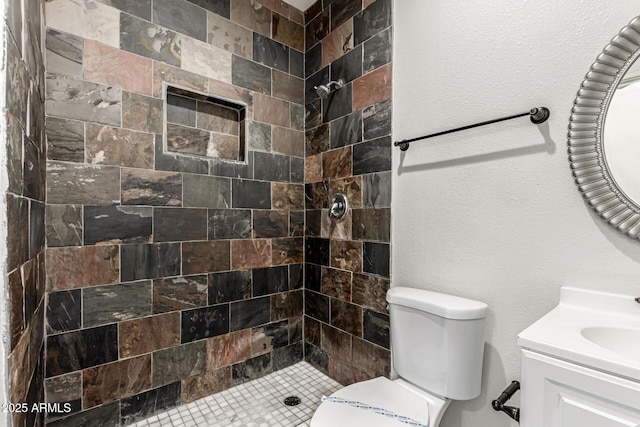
(493, 213)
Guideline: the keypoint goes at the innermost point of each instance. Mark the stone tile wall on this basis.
(348, 150)
(25, 196)
(168, 276)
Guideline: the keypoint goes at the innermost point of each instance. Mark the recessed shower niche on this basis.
(198, 124)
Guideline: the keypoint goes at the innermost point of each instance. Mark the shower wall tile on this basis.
(270, 280)
(317, 306)
(117, 224)
(287, 32)
(313, 114)
(64, 388)
(271, 167)
(288, 87)
(372, 156)
(287, 196)
(288, 142)
(348, 67)
(17, 92)
(346, 130)
(338, 104)
(372, 88)
(112, 66)
(287, 251)
(225, 350)
(205, 257)
(113, 381)
(372, 359)
(271, 110)
(64, 311)
(376, 258)
(166, 73)
(336, 283)
(346, 316)
(149, 40)
(65, 140)
(287, 305)
(271, 223)
(251, 15)
(177, 363)
(219, 7)
(181, 16)
(377, 120)
(228, 35)
(377, 51)
(335, 342)
(370, 292)
(204, 322)
(63, 53)
(15, 159)
(350, 187)
(82, 184)
(250, 75)
(148, 187)
(317, 28)
(105, 415)
(205, 60)
(148, 334)
(92, 21)
(206, 191)
(147, 403)
(141, 113)
(175, 224)
(372, 20)
(265, 339)
(108, 304)
(150, 261)
(140, 8)
(317, 140)
(253, 253)
(77, 267)
(372, 224)
(76, 99)
(337, 163)
(259, 136)
(179, 293)
(341, 11)
(297, 116)
(376, 328)
(337, 43)
(251, 194)
(230, 224)
(270, 53)
(251, 369)
(229, 286)
(72, 351)
(199, 386)
(347, 255)
(249, 313)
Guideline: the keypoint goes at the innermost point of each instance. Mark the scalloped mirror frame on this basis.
(585, 144)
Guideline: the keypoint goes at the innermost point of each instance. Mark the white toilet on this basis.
(437, 345)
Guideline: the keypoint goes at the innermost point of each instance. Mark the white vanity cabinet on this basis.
(556, 393)
(581, 363)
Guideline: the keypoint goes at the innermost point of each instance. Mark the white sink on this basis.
(600, 330)
(625, 342)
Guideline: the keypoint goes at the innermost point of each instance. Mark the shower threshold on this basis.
(257, 403)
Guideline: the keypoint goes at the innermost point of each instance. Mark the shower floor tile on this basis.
(257, 403)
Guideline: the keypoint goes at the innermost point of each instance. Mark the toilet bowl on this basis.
(437, 348)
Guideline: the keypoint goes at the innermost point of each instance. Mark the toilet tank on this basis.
(437, 341)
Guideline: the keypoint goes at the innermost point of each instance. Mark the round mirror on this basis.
(604, 133)
(621, 134)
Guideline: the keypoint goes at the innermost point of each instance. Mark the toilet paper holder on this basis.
(499, 403)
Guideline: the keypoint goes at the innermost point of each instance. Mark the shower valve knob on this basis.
(339, 206)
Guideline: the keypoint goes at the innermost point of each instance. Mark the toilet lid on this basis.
(378, 400)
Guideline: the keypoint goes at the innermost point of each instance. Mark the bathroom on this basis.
(143, 245)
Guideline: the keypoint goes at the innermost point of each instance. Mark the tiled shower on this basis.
(170, 168)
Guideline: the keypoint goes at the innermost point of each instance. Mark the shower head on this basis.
(324, 90)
